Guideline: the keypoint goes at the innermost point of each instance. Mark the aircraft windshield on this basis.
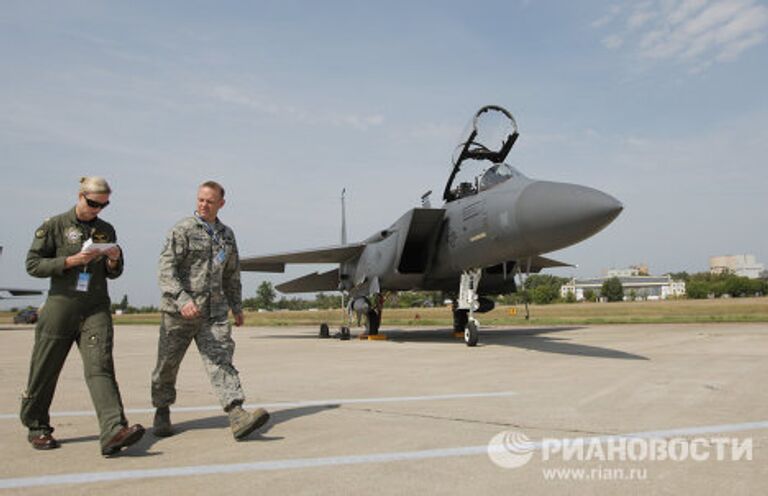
(495, 175)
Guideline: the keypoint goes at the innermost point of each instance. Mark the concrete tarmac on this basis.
(416, 413)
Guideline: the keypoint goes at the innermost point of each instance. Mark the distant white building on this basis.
(633, 270)
(741, 265)
(643, 287)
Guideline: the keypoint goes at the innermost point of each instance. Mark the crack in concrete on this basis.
(481, 422)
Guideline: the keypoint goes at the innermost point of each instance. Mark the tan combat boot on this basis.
(161, 426)
(243, 422)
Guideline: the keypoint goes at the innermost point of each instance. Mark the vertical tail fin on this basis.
(343, 218)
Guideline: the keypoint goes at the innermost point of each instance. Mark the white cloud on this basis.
(684, 10)
(637, 142)
(612, 42)
(614, 11)
(431, 130)
(236, 96)
(639, 18)
(693, 33)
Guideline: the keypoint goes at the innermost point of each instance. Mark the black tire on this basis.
(372, 323)
(325, 333)
(460, 319)
(344, 334)
(470, 333)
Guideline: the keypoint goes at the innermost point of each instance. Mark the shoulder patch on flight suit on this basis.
(73, 234)
(40, 233)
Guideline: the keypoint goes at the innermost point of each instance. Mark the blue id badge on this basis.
(220, 256)
(83, 279)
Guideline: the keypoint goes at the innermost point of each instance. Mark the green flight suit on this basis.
(71, 316)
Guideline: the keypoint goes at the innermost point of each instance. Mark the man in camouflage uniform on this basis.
(76, 311)
(199, 275)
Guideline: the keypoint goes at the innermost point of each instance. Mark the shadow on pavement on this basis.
(222, 422)
(17, 327)
(536, 339)
(140, 449)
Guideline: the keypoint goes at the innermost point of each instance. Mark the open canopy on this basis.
(490, 136)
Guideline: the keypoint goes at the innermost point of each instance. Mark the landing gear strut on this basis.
(373, 315)
(370, 308)
(467, 304)
(460, 319)
(372, 322)
(325, 333)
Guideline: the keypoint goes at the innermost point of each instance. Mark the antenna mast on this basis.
(343, 218)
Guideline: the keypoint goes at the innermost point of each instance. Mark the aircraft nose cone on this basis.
(553, 215)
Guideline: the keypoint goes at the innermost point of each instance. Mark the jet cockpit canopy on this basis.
(490, 135)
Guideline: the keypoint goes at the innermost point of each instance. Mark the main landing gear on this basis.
(325, 332)
(371, 309)
(373, 315)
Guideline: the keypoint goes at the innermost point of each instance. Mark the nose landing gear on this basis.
(463, 315)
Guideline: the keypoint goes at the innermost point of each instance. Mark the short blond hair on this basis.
(214, 185)
(94, 184)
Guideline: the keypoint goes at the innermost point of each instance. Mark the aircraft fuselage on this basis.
(520, 218)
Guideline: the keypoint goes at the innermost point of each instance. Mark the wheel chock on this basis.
(374, 337)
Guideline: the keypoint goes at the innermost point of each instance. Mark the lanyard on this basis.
(209, 229)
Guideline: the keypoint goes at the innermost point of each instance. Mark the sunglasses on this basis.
(94, 203)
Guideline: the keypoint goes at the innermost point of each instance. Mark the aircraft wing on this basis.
(21, 292)
(539, 263)
(276, 263)
(311, 283)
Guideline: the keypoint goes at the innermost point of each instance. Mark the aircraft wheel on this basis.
(372, 323)
(470, 333)
(325, 333)
(344, 334)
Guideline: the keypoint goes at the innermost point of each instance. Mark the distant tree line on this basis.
(541, 289)
(126, 308)
(706, 285)
(266, 299)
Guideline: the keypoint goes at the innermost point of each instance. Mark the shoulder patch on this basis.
(40, 233)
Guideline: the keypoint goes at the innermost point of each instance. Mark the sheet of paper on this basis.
(97, 247)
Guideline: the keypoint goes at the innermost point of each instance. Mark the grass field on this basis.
(672, 311)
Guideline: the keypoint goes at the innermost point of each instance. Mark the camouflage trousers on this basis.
(214, 341)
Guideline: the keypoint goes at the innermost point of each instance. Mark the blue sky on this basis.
(660, 103)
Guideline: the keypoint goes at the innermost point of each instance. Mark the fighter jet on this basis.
(495, 222)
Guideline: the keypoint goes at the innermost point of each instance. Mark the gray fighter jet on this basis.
(495, 223)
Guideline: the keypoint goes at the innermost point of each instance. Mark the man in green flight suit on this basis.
(199, 276)
(78, 252)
